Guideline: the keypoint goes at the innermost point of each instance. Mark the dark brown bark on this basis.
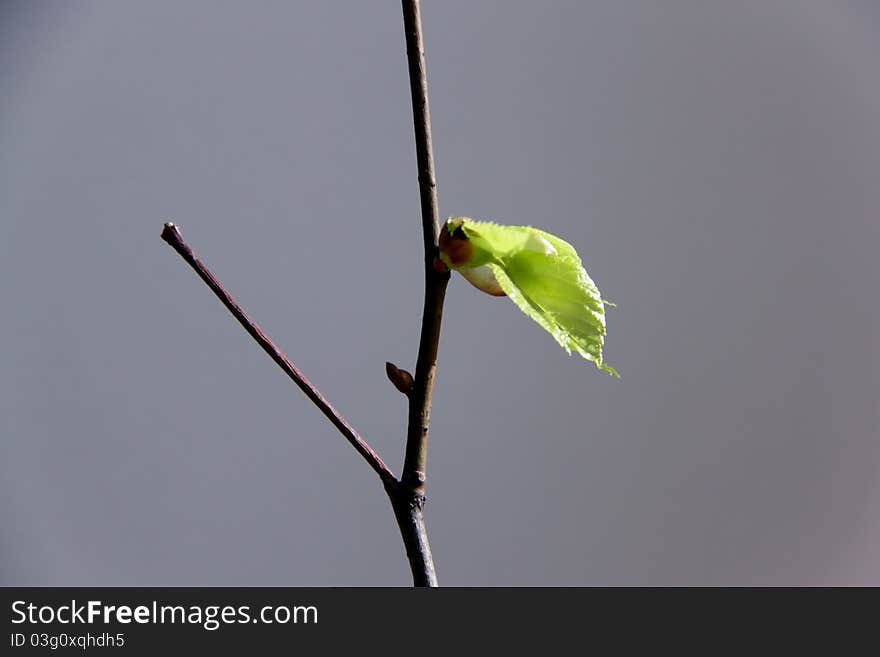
(412, 482)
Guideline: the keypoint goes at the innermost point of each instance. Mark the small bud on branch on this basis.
(401, 379)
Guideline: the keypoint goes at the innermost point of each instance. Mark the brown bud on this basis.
(455, 246)
(400, 379)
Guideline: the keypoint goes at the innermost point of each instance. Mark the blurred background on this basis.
(716, 165)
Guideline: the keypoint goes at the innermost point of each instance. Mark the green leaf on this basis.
(543, 275)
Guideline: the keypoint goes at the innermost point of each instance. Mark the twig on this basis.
(172, 235)
(412, 494)
(435, 282)
(408, 494)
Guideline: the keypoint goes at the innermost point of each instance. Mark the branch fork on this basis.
(407, 494)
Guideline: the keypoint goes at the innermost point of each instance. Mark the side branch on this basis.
(172, 235)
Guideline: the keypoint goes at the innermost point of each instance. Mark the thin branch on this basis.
(408, 497)
(172, 235)
(414, 467)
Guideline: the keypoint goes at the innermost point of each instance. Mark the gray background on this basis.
(716, 164)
